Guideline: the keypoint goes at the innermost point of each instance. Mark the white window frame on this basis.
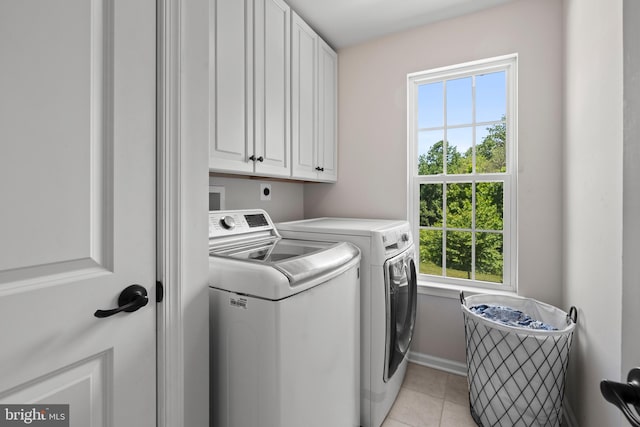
(507, 63)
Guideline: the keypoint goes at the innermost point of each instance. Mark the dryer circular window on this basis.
(401, 293)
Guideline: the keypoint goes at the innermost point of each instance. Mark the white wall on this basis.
(593, 201)
(631, 189)
(372, 141)
(286, 202)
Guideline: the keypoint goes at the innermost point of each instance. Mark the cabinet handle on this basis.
(260, 159)
(254, 159)
(319, 169)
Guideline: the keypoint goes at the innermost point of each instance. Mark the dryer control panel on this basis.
(396, 239)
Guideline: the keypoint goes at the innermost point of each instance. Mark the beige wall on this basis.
(372, 141)
(593, 203)
(244, 193)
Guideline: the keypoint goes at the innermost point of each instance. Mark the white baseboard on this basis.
(446, 365)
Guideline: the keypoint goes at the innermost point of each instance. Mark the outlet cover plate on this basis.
(265, 192)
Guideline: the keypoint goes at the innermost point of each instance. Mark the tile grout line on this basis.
(444, 399)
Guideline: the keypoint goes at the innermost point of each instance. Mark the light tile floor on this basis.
(431, 398)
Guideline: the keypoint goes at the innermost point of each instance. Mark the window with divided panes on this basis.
(462, 177)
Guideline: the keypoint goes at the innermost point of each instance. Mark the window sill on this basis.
(453, 291)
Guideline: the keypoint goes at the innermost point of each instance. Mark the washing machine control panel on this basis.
(237, 223)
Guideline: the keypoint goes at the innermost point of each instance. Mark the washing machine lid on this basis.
(271, 251)
(277, 268)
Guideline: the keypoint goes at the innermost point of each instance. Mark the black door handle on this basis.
(131, 299)
(624, 395)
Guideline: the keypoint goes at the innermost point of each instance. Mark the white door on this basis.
(77, 207)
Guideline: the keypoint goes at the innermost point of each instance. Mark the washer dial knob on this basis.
(228, 222)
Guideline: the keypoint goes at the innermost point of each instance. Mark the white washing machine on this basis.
(284, 335)
(388, 301)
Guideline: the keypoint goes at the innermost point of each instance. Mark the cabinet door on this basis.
(231, 87)
(327, 112)
(304, 56)
(272, 82)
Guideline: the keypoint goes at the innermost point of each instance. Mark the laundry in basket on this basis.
(516, 372)
(510, 317)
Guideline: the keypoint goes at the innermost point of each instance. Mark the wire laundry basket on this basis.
(516, 375)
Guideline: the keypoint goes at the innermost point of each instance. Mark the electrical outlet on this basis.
(265, 192)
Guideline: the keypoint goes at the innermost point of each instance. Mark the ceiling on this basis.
(347, 22)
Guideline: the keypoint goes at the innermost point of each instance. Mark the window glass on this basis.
(430, 154)
(489, 206)
(459, 101)
(491, 148)
(459, 255)
(430, 111)
(431, 252)
(459, 210)
(491, 97)
(460, 150)
(489, 257)
(431, 205)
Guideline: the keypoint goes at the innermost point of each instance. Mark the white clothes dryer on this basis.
(285, 323)
(388, 301)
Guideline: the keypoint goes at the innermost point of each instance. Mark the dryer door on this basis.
(401, 289)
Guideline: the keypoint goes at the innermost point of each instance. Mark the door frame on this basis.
(182, 222)
(170, 342)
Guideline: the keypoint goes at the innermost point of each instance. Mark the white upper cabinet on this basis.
(304, 98)
(273, 99)
(327, 112)
(250, 84)
(314, 105)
